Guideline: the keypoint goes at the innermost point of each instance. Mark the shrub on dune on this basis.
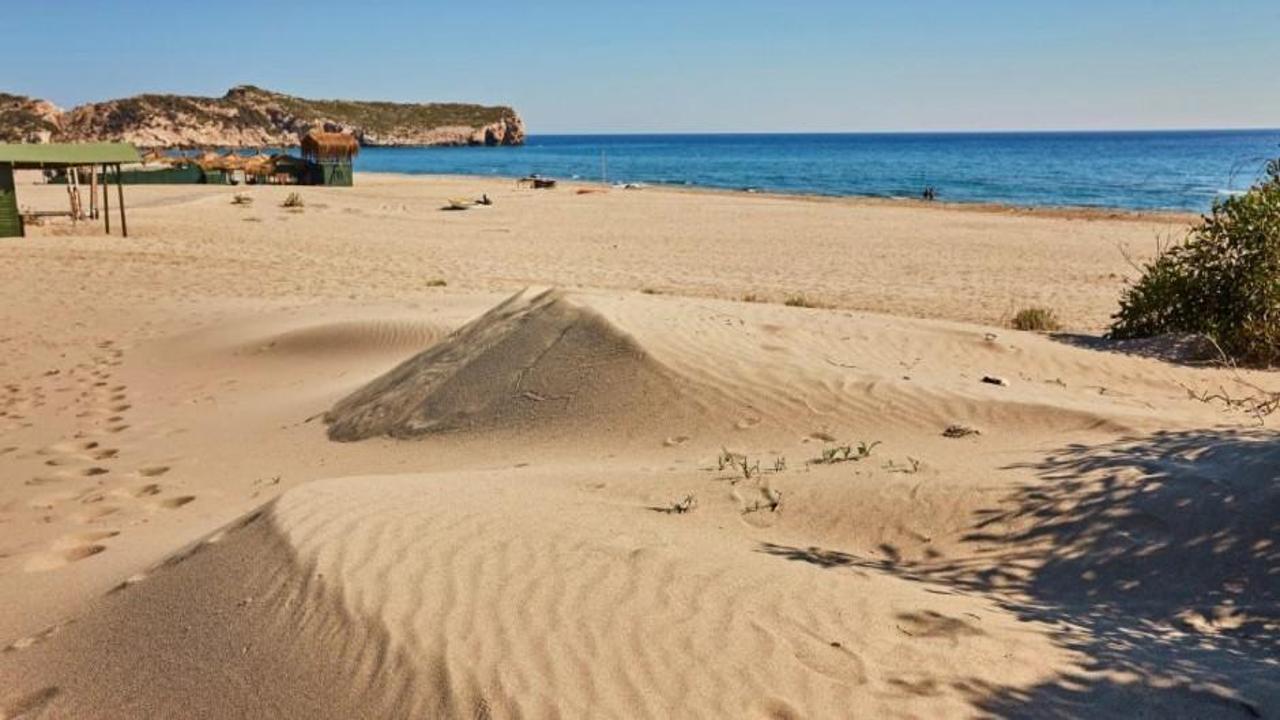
(1222, 282)
(1036, 319)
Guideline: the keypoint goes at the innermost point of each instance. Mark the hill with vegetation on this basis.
(248, 116)
(27, 120)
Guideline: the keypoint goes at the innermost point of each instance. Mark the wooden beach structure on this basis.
(330, 155)
(71, 158)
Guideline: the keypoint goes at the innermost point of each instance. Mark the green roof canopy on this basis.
(67, 154)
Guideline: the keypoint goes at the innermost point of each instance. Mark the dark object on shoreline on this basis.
(992, 380)
(484, 200)
(537, 182)
(930, 194)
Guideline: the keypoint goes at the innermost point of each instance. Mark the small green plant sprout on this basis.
(740, 462)
(684, 505)
(800, 301)
(846, 453)
(293, 202)
(241, 199)
(728, 458)
(911, 468)
(437, 282)
(1036, 319)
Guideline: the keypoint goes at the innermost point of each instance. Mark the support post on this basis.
(93, 193)
(124, 225)
(106, 200)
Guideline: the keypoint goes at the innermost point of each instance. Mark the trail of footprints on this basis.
(89, 479)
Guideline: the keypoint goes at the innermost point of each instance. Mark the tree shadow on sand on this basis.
(1156, 558)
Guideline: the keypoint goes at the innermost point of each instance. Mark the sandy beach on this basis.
(574, 455)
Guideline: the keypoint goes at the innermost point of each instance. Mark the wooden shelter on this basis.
(330, 155)
(69, 157)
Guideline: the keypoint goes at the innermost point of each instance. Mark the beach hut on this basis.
(289, 169)
(68, 157)
(330, 155)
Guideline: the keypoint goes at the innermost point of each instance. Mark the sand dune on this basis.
(535, 358)
(603, 503)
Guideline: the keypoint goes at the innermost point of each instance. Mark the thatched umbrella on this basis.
(209, 160)
(259, 165)
(232, 161)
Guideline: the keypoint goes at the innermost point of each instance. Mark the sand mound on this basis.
(393, 596)
(532, 360)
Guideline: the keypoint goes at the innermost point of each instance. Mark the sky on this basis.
(600, 66)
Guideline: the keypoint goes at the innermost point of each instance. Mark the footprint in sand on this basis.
(831, 659)
(106, 454)
(94, 514)
(47, 502)
(675, 441)
(61, 558)
(147, 490)
(177, 502)
(154, 471)
(95, 470)
(747, 423)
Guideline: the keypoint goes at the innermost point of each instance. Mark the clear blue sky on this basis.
(671, 66)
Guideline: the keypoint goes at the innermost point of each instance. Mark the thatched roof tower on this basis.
(319, 146)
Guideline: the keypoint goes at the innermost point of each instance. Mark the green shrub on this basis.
(1036, 319)
(1222, 282)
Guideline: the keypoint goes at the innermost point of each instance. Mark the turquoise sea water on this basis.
(1134, 170)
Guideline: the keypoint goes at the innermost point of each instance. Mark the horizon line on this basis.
(999, 131)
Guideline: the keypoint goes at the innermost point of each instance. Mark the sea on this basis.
(1141, 170)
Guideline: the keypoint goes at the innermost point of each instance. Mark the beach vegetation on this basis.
(293, 201)
(1222, 282)
(1036, 319)
(845, 453)
(800, 301)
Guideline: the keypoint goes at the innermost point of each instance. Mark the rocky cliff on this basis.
(27, 120)
(252, 117)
